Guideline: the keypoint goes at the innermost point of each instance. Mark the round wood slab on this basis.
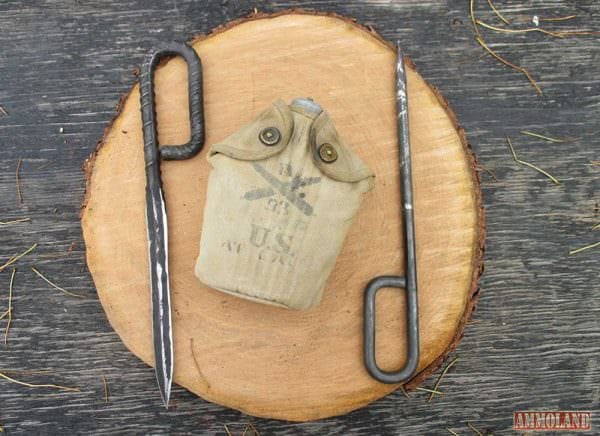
(263, 360)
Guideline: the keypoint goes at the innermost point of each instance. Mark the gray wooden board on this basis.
(536, 340)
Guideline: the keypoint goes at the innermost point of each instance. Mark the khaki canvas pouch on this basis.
(281, 197)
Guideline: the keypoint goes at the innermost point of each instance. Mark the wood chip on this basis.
(55, 286)
(530, 165)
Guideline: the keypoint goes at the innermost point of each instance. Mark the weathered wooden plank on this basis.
(65, 64)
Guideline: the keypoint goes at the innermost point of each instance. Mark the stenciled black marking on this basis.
(286, 189)
(409, 283)
(156, 217)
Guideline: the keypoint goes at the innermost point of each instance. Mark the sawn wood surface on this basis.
(534, 339)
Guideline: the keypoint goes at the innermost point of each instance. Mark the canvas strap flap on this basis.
(271, 131)
(246, 144)
(344, 165)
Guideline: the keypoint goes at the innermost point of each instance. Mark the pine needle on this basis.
(19, 194)
(546, 138)
(597, 226)
(474, 429)
(10, 308)
(25, 371)
(487, 170)
(4, 314)
(439, 380)
(105, 389)
(18, 256)
(522, 70)
(530, 165)
(227, 430)
(30, 385)
(3, 111)
(473, 20)
(527, 30)
(432, 391)
(452, 432)
(587, 247)
(20, 220)
(568, 17)
(404, 391)
(498, 14)
(250, 426)
(55, 286)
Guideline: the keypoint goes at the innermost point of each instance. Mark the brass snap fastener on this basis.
(327, 153)
(269, 136)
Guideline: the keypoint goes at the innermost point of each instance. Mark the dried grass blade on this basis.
(530, 165)
(18, 256)
(431, 391)
(18, 183)
(30, 385)
(20, 220)
(587, 247)
(474, 429)
(404, 391)
(472, 6)
(439, 380)
(527, 30)
(105, 389)
(497, 12)
(546, 138)
(568, 17)
(55, 286)
(10, 308)
(510, 64)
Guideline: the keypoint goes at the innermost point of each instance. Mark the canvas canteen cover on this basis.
(281, 197)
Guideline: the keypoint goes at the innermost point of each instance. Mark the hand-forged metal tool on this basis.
(409, 283)
(156, 216)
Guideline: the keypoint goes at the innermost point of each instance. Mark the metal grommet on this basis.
(327, 153)
(269, 136)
